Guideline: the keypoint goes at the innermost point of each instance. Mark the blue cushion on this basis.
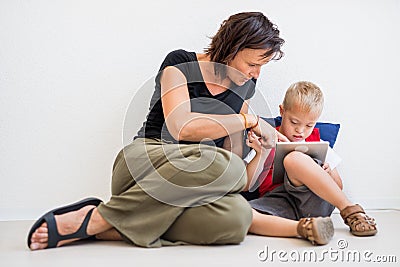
(327, 131)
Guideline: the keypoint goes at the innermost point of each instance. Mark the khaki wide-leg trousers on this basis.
(166, 194)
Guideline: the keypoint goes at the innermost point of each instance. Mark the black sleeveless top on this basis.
(202, 101)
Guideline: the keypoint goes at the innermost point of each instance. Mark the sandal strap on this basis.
(81, 233)
(54, 236)
(350, 210)
(356, 220)
(304, 228)
(354, 216)
(318, 230)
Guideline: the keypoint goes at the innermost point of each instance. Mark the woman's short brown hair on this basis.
(244, 30)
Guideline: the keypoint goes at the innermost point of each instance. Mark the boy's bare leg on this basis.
(302, 170)
(69, 223)
(263, 224)
(317, 230)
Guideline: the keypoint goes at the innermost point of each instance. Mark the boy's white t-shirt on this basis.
(332, 158)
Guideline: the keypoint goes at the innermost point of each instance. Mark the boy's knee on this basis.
(293, 159)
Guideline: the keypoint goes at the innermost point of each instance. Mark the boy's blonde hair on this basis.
(306, 95)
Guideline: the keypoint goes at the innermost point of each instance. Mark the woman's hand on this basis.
(268, 135)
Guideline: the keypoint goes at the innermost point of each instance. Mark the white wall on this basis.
(69, 70)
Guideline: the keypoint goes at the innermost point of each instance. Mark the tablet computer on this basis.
(316, 150)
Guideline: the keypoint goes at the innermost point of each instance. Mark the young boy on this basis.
(301, 206)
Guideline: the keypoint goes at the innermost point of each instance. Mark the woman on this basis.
(178, 181)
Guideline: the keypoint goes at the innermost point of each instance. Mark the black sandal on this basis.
(53, 235)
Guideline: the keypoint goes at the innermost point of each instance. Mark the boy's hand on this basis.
(327, 168)
(334, 174)
(257, 143)
(282, 138)
(254, 141)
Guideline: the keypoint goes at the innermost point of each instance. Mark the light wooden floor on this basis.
(254, 251)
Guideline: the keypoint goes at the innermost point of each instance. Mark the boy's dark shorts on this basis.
(289, 201)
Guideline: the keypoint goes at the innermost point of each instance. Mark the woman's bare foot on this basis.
(66, 224)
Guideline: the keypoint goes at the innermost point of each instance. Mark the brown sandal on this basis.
(360, 224)
(318, 230)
